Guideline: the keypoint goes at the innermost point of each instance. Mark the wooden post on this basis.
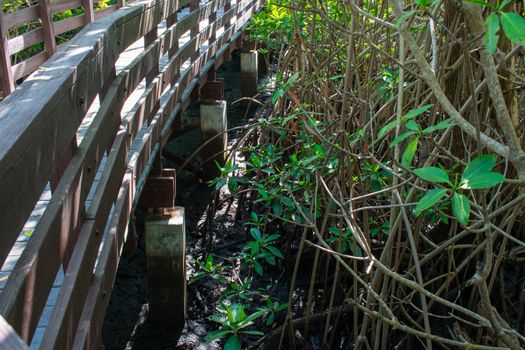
(149, 39)
(249, 73)
(165, 250)
(7, 84)
(213, 122)
(89, 13)
(227, 7)
(47, 27)
(211, 20)
(170, 21)
(159, 190)
(194, 6)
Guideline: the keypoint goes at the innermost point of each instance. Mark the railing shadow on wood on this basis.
(46, 32)
(38, 129)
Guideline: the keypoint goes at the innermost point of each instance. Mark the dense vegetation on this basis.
(388, 168)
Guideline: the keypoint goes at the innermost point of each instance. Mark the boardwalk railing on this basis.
(38, 17)
(82, 226)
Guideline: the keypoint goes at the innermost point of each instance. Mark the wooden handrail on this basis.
(39, 121)
(9, 339)
(42, 11)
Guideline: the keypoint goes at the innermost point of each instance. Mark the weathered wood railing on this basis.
(38, 145)
(39, 15)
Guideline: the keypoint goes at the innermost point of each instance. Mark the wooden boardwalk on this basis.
(36, 336)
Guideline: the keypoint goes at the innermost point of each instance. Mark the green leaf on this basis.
(258, 267)
(418, 111)
(221, 182)
(412, 125)
(272, 237)
(429, 199)
(491, 36)
(503, 4)
(256, 234)
(385, 129)
(479, 165)
(276, 95)
(275, 251)
(277, 208)
(401, 138)
(209, 262)
(514, 27)
(237, 312)
(219, 319)
(445, 124)
(255, 315)
(233, 343)
(461, 208)
(219, 333)
(486, 180)
(410, 152)
(252, 332)
(432, 174)
(270, 259)
(287, 201)
(270, 320)
(255, 248)
(403, 17)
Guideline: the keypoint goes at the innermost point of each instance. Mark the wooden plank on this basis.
(7, 84)
(63, 323)
(105, 11)
(29, 65)
(136, 117)
(172, 45)
(9, 338)
(62, 166)
(63, 5)
(150, 39)
(90, 327)
(89, 12)
(69, 24)
(48, 31)
(30, 282)
(20, 42)
(194, 6)
(22, 16)
(77, 74)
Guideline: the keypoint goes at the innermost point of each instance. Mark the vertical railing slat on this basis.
(7, 84)
(47, 27)
(89, 13)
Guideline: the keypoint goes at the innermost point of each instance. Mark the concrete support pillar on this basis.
(213, 122)
(165, 250)
(249, 73)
